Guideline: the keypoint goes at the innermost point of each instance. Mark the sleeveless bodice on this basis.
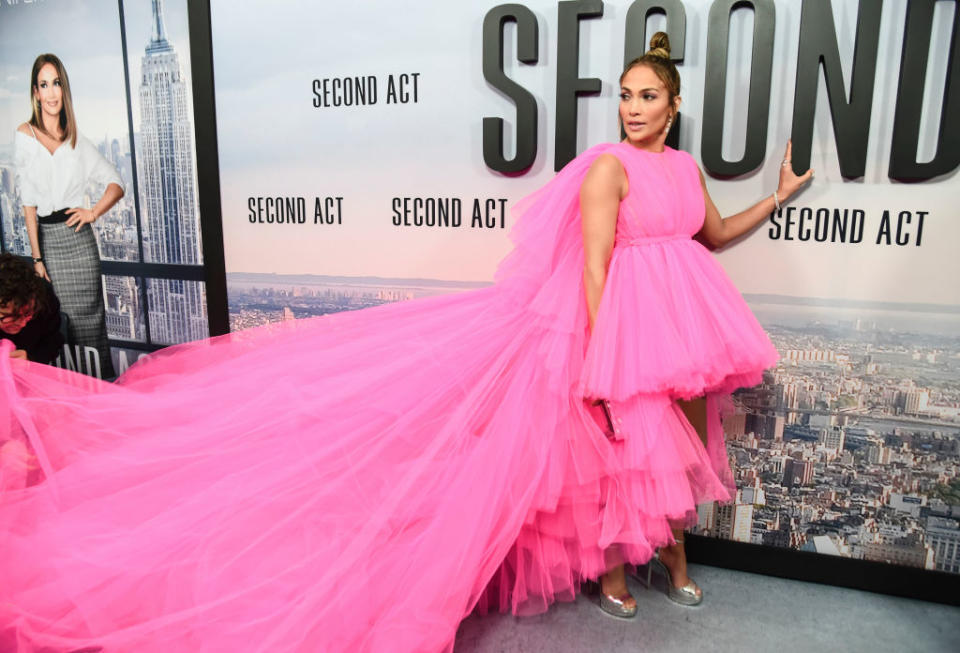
(664, 200)
(669, 318)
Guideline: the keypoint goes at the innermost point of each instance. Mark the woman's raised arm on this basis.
(719, 231)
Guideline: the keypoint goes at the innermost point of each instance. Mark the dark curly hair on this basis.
(20, 286)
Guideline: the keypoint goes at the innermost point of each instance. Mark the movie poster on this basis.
(128, 68)
(360, 164)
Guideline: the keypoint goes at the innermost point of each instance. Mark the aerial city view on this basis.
(850, 446)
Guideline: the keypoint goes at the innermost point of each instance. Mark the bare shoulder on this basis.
(24, 128)
(606, 175)
(688, 159)
(607, 165)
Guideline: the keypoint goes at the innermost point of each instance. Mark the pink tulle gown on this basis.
(362, 481)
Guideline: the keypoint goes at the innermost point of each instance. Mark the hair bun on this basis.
(660, 45)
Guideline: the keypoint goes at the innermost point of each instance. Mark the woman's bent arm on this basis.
(79, 217)
(600, 194)
(719, 231)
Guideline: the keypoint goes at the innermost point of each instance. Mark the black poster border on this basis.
(208, 165)
(879, 577)
(865, 575)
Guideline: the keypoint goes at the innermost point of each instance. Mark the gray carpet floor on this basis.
(740, 612)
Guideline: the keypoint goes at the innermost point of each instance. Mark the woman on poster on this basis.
(54, 166)
(363, 480)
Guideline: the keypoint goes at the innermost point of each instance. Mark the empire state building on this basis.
(168, 197)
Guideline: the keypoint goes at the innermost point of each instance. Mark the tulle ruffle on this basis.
(359, 481)
(602, 518)
(671, 305)
(358, 497)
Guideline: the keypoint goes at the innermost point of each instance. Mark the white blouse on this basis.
(57, 181)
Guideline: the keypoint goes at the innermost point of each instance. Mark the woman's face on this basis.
(47, 90)
(645, 107)
(13, 318)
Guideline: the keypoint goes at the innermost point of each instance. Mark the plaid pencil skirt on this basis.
(73, 263)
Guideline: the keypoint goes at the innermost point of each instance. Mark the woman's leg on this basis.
(674, 556)
(695, 411)
(614, 583)
(73, 263)
(615, 598)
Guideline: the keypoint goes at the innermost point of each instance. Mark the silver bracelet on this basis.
(776, 200)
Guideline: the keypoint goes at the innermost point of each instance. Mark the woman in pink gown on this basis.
(655, 297)
(362, 481)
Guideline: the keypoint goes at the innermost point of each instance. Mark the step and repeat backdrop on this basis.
(128, 66)
(371, 153)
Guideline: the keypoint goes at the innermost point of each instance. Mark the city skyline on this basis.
(849, 447)
(846, 448)
(775, 308)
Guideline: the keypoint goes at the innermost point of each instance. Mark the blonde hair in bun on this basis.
(659, 46)
(657, 58)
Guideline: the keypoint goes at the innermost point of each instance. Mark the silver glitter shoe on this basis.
(689, 595)
(615, 606)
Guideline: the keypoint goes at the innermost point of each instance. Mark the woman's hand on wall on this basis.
(790, 182)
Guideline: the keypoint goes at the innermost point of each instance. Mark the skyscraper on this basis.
(832, 438)
(168, 198)
(914, 401)
(773, 427)
(797, 472)
(11, 216)
(122, 308)
(943, 535)
(735, 521)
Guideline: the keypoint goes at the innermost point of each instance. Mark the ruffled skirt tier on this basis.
(364, 480)
(670, 321)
